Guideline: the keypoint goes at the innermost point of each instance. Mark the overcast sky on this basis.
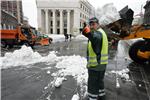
(29, 7)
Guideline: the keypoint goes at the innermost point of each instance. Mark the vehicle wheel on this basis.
(3, 44)
(26, 43)
(32, 45)
(10, 46)
(139, 45)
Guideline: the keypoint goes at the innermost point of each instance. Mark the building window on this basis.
(51, 31)
(57, 14)
(65, 23)
(80, 15)
(81, 6)
(51, 23)
(64, 13)
(58, 23)
(51, 14)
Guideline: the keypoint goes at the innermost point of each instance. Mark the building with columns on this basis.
(63, 16)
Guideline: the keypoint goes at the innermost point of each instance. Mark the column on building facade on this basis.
(54, 21)
(39, 20)
(12, 27)
(4, 26)
(76, 21)
(46, 21)
(18, 11)
(61, 21)
(68, 21)
(0, 26)
(9, 27)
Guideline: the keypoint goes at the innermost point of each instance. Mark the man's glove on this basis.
(86, 31)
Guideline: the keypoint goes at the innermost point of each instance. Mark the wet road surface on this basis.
(30, 82)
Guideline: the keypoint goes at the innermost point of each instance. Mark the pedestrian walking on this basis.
(66, 37)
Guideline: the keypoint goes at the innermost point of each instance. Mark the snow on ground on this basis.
(81, 37)
(61, 38)
(122, 73)
(26, 56)
(48, 72)
(57, 38)
(117, 83)
(74, 65)
(59, 81)
(75, 97)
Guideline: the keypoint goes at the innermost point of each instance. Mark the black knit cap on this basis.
(93, 20)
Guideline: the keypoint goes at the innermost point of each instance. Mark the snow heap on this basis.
(68, 65)
(75, 97)
(81, 37)
(23, 56)
(74, 66)
(122, 73)
(107, 14)
(26, 56)
(59, 81)
(57, 38)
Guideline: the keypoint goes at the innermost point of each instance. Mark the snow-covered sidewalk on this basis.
(57, 38)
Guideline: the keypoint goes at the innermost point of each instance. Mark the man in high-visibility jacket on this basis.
(97, 59)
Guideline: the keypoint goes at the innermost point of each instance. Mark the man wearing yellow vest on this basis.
(97, 59)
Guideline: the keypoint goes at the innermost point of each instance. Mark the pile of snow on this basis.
(107, 14)
(57, 38)
(48, 72)
(81, 37)
(74, 66)
(75, 97)
(122, 73)
(59, 81)
(26, 56)
(68, 65)
(117, 83)
(23, 56)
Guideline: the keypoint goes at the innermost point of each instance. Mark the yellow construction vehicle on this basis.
(139, 51)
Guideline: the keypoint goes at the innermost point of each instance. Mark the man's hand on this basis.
(86, 31)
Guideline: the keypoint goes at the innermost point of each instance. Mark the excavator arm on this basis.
(140, 50)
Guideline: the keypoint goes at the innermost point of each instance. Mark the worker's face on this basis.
(94, 26)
